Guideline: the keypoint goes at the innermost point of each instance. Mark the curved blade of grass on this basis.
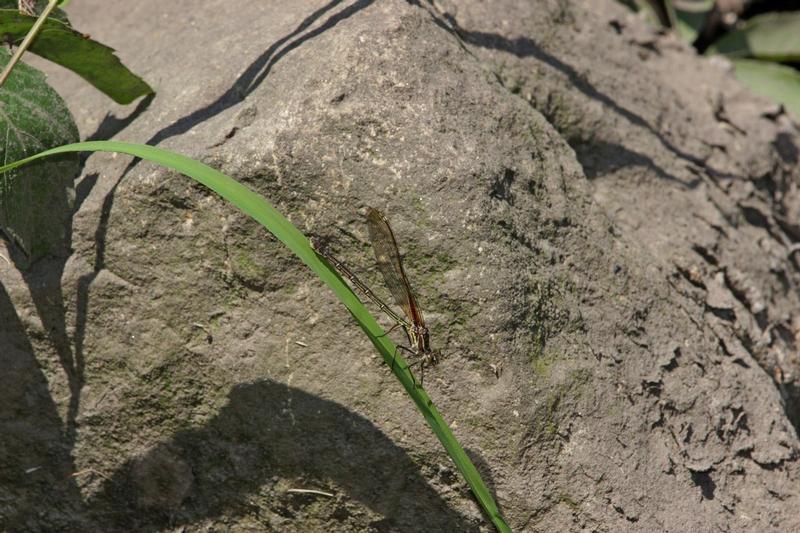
(262, 211)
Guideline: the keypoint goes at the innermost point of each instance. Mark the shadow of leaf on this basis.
(35, 461)
(270, 437)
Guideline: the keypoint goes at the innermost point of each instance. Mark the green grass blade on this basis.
(258, 208)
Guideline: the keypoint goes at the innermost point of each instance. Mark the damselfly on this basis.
(391, 267)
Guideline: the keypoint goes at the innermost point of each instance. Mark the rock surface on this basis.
(599, 225)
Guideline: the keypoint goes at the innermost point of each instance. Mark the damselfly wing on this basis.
(390, 264)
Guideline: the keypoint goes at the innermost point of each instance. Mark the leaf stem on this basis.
(27, 41)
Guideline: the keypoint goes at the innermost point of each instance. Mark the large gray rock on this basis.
(606, 338)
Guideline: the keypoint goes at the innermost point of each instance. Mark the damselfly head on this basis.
(434, 357)
(420, 339)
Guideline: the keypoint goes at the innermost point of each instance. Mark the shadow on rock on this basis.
(255, 74)
(268, 438)
(524, 47)
(599, 158)
(44, 282)
(36, 483)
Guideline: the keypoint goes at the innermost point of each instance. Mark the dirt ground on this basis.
(600, 224)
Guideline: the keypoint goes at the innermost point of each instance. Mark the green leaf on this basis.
(779, 82)
(94, 62)
(652, 11)
(259, 209)
(56, 14)
(772, 36)
(689, 16)
(35, 204)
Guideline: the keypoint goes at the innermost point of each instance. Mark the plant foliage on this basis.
(63, 45)
(35, 205)
(756, 46)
